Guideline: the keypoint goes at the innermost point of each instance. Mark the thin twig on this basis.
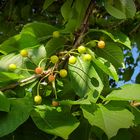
(135, 29)
(135, 104)
(29, 79)
(13, 85)
(24, 81)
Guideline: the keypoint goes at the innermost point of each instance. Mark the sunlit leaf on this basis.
(126, 92)
(110, 120)
(84, 78)
(53, 122)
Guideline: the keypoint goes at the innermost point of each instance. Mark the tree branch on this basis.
(13, 85)
(79, 34)
(24, 81)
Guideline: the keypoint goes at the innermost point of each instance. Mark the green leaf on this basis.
(110, 120)
(28, 41)
(54, 45)
(78, 10)
(138, 79)
(38, 54)
(8, 76)
(123, 134)
(12, 58)
(19, 113)
(47, 3)
(38, 29)
(116, 37)
(136, 113)
(66, 9)
(10, 45)
(78, 102)
(107, 67)
(117, 13)
(122, 39)
(82, 132)
(84, 78)
(25, 12)
(34, 33)
(4, 103)
(121, 9)
(57, 123)
(112, 53)
(126, 92)
(104, 65)
(98, 132)
(128, 74)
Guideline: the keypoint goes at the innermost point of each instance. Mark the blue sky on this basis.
(135, 54)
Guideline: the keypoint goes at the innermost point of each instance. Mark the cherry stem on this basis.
(74, 53)
(25, 69)
(93, 40)
(54, 89)
(56, 71)
(41, 61)
(38, 86)
(70, 52)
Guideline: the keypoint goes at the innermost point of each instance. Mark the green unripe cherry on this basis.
(12, 67)
(24, 53)
(81, 49)
(87, 57)
(72, 60)
(54, 59)
(92, 43)
(63, 73)
(56, 34)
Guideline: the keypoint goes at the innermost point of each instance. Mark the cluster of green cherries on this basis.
(40, 71)
(55, 59)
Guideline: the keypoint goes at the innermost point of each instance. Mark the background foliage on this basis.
(94, 104)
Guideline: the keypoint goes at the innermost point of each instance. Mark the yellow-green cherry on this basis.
(56, 34)
(38, 99)
(72, 60)
(81, 49)
(24, 53)
(63, 73)
(87, 57)
(12, 67)
(54, 59)
(92, 43)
